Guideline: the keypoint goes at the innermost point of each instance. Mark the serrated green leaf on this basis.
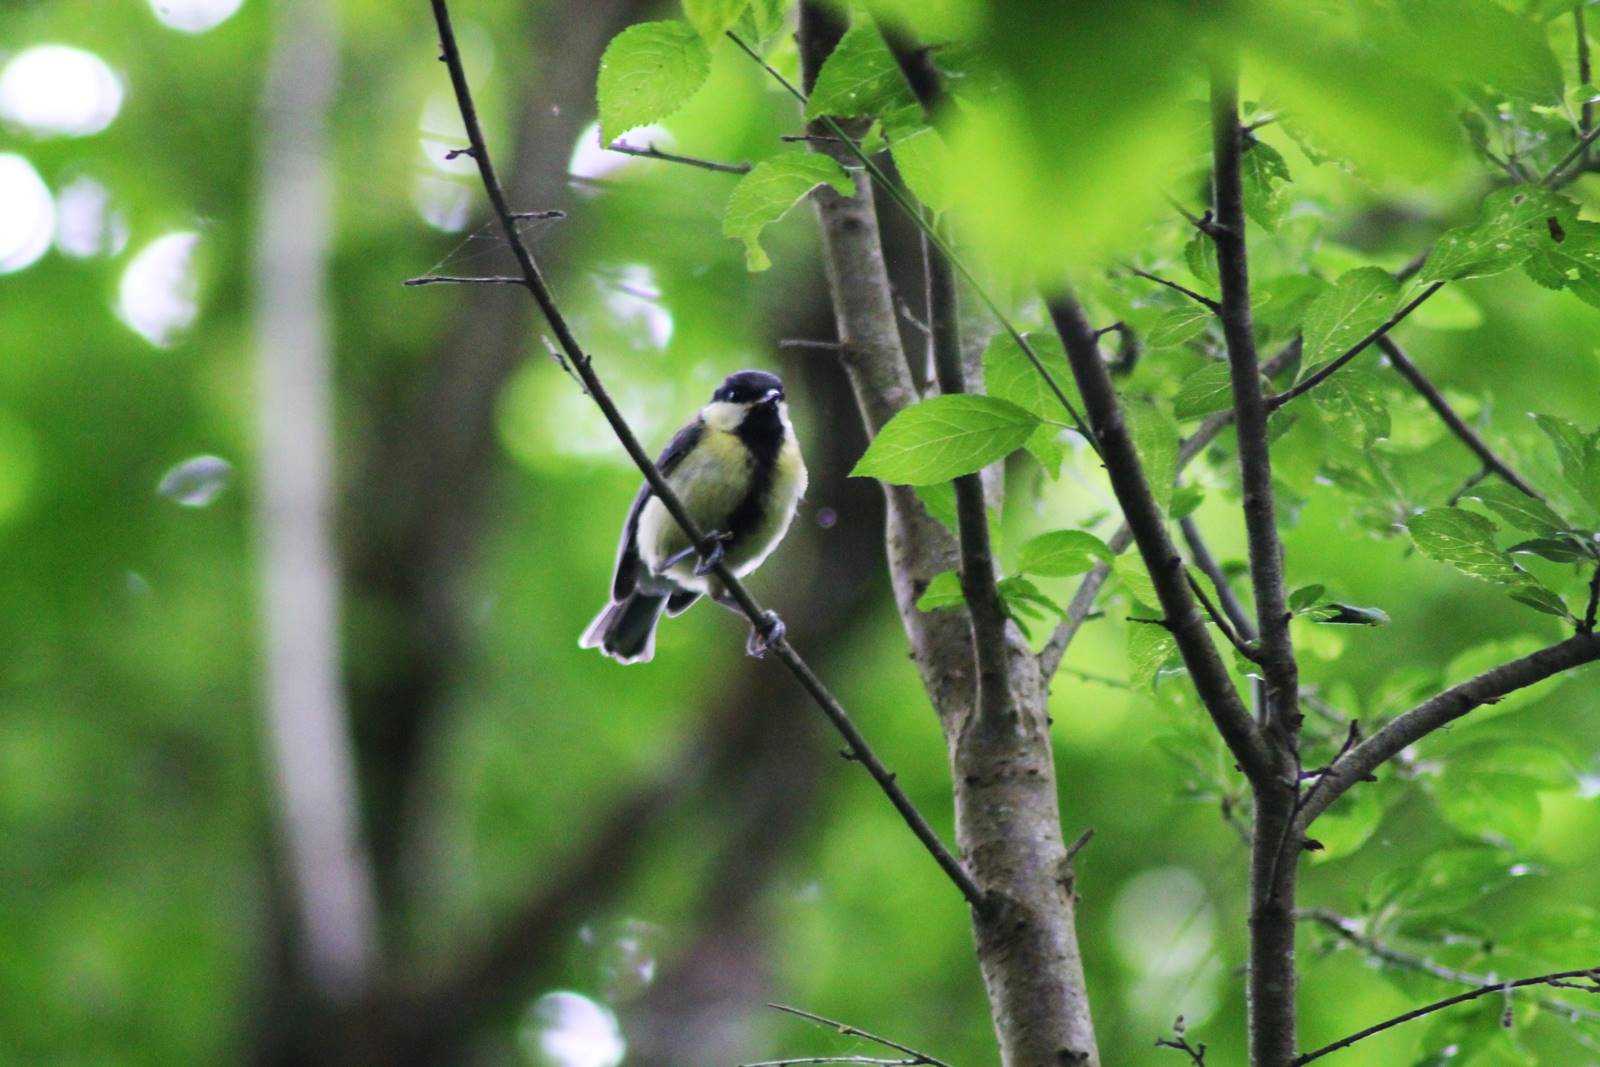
(1130, 571)
(1150, 647)
(762, 19)
(1009, 375)
(1205, 392)
(1579, 453)
(648, 71)
(1518, 508)
(1354, 406)
(944, 591)
(1291, 296)
(924, 162)
(943, 438)
(1464, 540)
(1512, 224)
(860, 77)
(1261, 168)
(1178, 326)
(1571, 263)
(1555, 549)
(1062, 553)
(1155, 436)
(712, 18)
(1200, 253)
(1359, 302)
(1186, 499)
(1019, 594)
(1044, 445)
(1539, 598)
(766, 194)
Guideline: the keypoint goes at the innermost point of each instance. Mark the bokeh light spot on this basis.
(27, 214)
(86, 223)
(194, 16)
(570, 1030)
(159, 295)
(57, 90)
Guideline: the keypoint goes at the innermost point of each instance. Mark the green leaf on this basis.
(1359, 302)
(1200, 253)
(1178, 326)
(767, 193)
(1353, 404)
(940, 500)
(1573, 262)
(1130, 570)
(1512, 224)
(860, 77)
(712, 18)
(1579, 453)
(1044, 445)
(1185, 500)
(1555, 549)
(1518, 508)
(1205, 392)
(1481, 42)
(1261, 168)
(1488, 805)
(1150, 647)
(1336, 614)
(1539, 598)
(761, 20)
(1465, 540)
(1348, 824)
(943, 438)
(1063, 553)
(1155, 436)
(648, 71)
(1020, 595)
(924, 162)
(943, 592)
(1305, 597)
(1008, 374)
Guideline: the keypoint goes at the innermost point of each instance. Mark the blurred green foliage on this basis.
(137, 894)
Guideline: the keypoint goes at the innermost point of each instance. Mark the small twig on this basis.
(1458, 426)
(1219, 620)
(650, 151)
(552, 215)
(1203, 223)
(1330, 368)
(1592, 973)
(1466, 486)
(810, 138)
(873, 1060)
(1577, 150)
(450, 279)
(1586, 115)
(1199, 298)
(804, 342)
(583, 366)
(1078, 844)
(1209, 567)
(1180, 1041)
(854, 1031)
(1348, 930)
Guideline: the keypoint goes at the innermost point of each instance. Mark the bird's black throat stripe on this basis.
(762, 433)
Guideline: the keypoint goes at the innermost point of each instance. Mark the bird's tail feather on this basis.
(626, 629)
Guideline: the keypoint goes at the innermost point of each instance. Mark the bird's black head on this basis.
(749, 387)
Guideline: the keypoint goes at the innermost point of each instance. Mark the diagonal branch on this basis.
(1443, 709)
(854, 1031)
(650, 151)
(1148, 526)
(1458, 426)
(1208, 565)
(581, 363)
(1558, 979)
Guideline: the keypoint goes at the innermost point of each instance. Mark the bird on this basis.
(738, 470)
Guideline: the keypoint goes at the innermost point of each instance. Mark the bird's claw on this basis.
(712, 558)
(765, 636)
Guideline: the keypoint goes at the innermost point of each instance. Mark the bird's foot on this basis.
(719, 549)
(765, 636)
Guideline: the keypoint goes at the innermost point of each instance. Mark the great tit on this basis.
(738, 471)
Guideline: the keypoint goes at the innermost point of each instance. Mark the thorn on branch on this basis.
(1078, 844)
(457, 152)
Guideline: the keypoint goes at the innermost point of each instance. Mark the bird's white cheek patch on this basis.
(722, 415)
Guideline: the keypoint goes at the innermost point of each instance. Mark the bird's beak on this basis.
(772, 396)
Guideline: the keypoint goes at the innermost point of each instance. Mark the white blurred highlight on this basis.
(58, 90)
(27, 214)
(159, 295)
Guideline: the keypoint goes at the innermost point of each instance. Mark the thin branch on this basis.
(1148, 525)
(873, 1060)
(1443, 709)
(1220, 620)
(1458, 426)
(1585, 73)
(650, 151)
(1180, 1041)
(1551, 177)
(452, 279)
(921, 221)
(1328, 369)
(583, 366)
(1208, 566)
(1591, 614)
(854, 1031)
(1250, 409)
(1199, 298)
(979, 582)
(1349, 931)
(1558, 978)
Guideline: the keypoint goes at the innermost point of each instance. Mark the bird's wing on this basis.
(626, 574)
